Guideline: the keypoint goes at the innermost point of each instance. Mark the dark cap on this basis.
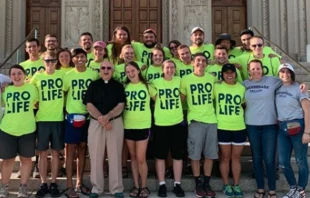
(225, 36)
(150, 30)
(77, 51)
(227, 67)
(247, 31)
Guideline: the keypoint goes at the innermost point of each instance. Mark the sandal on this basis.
(82, 189)
(144, 192)
(134, 192)
(259, 194)
(125, 172)
(70, 193)
(272, 195)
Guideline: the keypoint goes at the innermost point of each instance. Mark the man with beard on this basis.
(197, 38)
(120, 38)
(86, 43)
(51, 43)
(144, 50)
(221, 58)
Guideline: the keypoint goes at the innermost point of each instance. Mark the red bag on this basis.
(293, 128)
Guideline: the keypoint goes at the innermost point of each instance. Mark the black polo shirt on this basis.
(105, 96)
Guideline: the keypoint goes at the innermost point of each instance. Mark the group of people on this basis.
(201, 101)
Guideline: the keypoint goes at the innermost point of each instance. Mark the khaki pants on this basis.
(98, 139)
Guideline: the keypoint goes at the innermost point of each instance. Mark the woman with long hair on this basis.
(64, 60)
(155, 71)
(137, 122)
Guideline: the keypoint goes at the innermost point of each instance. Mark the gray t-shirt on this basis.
(260, 101)
(288, 102)
(3, 80)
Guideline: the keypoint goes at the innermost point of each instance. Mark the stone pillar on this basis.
(283, 21)
(302, 29)
(81, 16)
(186, 14)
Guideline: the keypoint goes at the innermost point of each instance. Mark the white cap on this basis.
(286, 65)
(197, 28)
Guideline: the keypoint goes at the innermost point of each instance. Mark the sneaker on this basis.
(42, 191)
(22, 191)
(301, 193)
(178, 191)
(36, 173)
(4, 191)
(18, 175)
(54, 190)
(237, 191)
(291, 193)
(200, 192)
(209, 191)
(119, 195)
(162, 191)
(228, 191)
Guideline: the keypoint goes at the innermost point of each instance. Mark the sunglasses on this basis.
(172, 48)
(258, 45)
(50, 60)
(107, 68)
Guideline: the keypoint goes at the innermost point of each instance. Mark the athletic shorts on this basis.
(50, 132)
(169, 138)
(74, 135)
(202, 138)
(11, 146)
(226, 137)
(137, 134)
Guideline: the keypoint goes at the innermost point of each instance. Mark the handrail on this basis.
(279, 48)
(9, 57)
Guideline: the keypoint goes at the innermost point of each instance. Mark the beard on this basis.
(150, 45)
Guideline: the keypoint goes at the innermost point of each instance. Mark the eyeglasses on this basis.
(258, 45)
(173, 47)
(50, 60)
(107, 68)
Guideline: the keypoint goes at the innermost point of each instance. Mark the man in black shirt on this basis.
(105, 100)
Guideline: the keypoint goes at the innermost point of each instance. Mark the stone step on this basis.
(247, 183)
(191, 194)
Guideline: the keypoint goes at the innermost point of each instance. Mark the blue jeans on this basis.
(286, 144)
(263, 141)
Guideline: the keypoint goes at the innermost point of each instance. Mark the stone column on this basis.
(78, 17)
(283, 25)
(302, 29)
(186, 14)
(265, 5)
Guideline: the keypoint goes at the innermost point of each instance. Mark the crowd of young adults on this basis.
(195, 103)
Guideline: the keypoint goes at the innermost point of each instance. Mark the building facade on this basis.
(284, 22)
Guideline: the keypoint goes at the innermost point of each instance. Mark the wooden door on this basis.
(229, 16)
(45, 16)
(137, 15)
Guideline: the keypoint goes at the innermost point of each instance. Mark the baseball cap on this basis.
(196, 29)
(100, 44)
(225, 36)
(77, 51)
(227, 67)
(286, 65)
(150, 30)
(247, 31)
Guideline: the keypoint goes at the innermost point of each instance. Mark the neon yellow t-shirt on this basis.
(109, 49)
(206, 49)
(51, 95)
(228, 101)
(199, 96)
(65, 69)
(137, 113)
(270, 65)
(119, 72)
(19, 118)
(143, 54)
(168, 106)
(76, 84)
(183, 69)
(152, 72)
(234, 52)
(31, 67)
(216, 70)
(90, 56)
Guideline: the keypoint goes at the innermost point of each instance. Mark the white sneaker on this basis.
(22, 192)
(36, 173)
(292, 193)
(4, 191)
